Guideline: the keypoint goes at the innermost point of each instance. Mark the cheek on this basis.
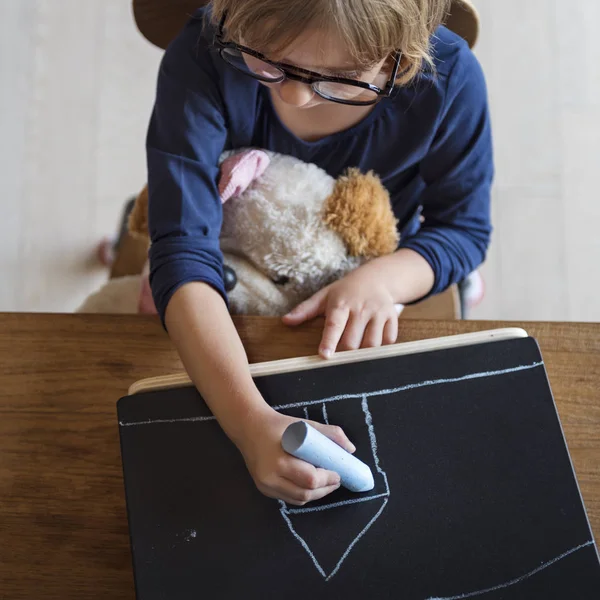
(379, 76)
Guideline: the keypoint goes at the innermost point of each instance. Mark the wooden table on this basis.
(63, 524)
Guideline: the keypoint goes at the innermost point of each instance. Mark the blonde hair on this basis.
(372, 29)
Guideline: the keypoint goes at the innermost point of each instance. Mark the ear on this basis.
(359, 210)
(138, 218)
(239, 171)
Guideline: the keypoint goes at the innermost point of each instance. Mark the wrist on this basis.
(242, 427)
(405, 274)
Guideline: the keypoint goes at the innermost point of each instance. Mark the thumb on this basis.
(309, 309)
(335, 434)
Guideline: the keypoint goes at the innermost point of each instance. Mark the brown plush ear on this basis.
(359, 210)
(138, 218)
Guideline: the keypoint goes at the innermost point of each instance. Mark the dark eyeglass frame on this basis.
(305, 76)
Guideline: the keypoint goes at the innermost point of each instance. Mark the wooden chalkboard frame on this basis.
(292, 365)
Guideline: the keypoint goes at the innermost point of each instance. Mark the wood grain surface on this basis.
(63, 519)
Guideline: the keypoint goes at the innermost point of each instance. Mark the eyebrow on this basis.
(316, 69)
(324, 68)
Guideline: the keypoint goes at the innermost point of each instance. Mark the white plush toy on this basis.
(289, 229)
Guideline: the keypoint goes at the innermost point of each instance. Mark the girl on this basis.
(373, 84)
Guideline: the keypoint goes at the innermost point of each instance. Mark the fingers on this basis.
(380, 332)
(299, 482)
(390, 331)
(347, 329)
(335, 324)
(300, 497)
(309, 309)
(302, 483)
(369, 331)
(336, 434)
(355, 331)
(364, 330)
(308, 477)
(373, 335)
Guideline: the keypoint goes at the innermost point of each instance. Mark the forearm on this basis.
(211, 350)
(406, 274)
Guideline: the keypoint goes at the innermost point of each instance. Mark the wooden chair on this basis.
(159, 21)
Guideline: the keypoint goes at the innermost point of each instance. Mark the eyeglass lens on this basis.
(268, 73)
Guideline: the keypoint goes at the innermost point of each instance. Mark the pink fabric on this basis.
(239, 171)
(146, 302)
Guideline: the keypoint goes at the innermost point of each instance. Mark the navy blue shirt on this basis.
(430, 144)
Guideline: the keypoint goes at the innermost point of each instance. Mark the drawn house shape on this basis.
(329, 529)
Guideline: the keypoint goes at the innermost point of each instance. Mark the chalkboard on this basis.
(475, 492)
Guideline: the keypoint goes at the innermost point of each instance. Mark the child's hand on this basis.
(280, 475)
(359, 310)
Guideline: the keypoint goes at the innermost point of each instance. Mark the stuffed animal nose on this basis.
(229, 278)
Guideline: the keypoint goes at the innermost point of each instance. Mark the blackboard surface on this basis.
(475, 493)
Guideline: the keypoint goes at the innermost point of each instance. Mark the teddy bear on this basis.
(289, 229)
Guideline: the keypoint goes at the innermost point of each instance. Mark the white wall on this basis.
(77, 84)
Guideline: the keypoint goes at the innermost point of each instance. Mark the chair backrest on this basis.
(160, 21)
(464, 21)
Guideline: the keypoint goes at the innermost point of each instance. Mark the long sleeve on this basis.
(186, 136)
(458, 173)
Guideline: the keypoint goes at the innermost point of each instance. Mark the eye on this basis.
(281, 280)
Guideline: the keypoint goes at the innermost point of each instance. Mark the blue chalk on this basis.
(306, 443)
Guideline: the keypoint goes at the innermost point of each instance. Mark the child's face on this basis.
(322, 53)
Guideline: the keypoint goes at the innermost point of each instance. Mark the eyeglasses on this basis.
(336, 89)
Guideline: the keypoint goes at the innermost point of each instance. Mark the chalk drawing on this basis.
(345, 555)
(306, 412)
(309, 509)
(285, 511)
(372, 438)
(385, 392)
(518, 579)
(411, 386)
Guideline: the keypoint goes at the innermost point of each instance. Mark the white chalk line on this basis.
(373, 440)
(310, 509)
(410, 386)
(284, 514)
(325, 417)
(301, 540)
(285, 511)
(518, 579)
(306, 412)
(349, 549)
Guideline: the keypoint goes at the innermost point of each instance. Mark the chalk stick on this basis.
(306, 443)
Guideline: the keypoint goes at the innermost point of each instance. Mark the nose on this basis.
(295, 93)
(229, 278)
